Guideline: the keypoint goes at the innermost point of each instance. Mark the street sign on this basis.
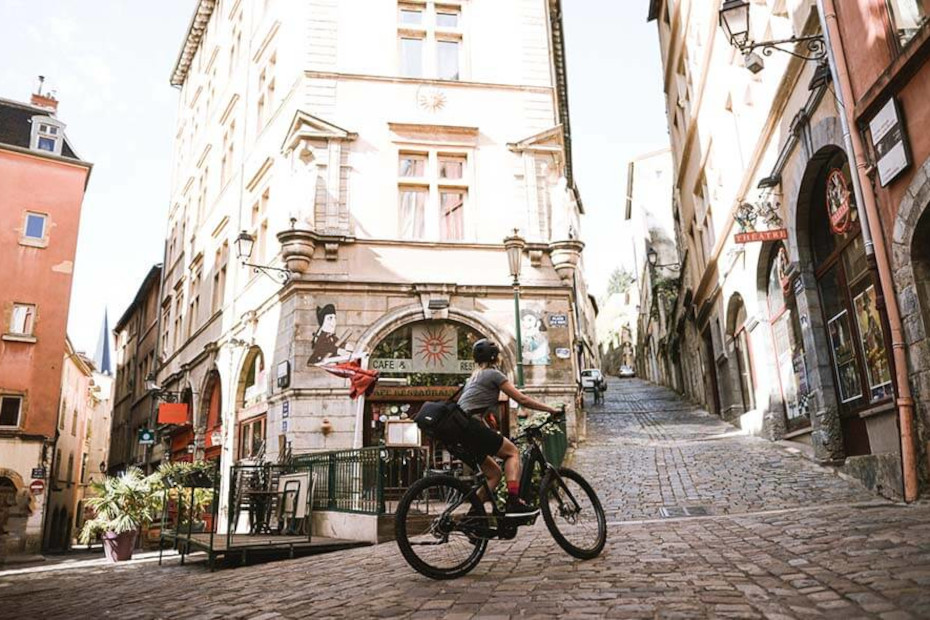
(558, 320)
(778, 234)
(146, 437)
(37, 486)
(285, 409)
(38, 472)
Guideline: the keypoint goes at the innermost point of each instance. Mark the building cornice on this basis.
(195, 30)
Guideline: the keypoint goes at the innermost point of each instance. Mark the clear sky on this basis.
(110, 60)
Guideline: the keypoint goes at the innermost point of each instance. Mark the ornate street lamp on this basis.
(734, 20)
(244, 245)
(653, 257)
(515, 244)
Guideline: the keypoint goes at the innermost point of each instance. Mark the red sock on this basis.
(513, 487)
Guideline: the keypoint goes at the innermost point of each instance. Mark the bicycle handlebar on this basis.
(553, 418)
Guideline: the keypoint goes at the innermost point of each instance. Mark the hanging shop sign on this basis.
(146, 437)
(890, 143)
(839, 202)
(778, 234)
(172, 413)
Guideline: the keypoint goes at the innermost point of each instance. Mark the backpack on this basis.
(444, 421)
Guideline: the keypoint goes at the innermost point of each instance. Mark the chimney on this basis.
(46, 101)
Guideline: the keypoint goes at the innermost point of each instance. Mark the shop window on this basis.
(10, 409)
(252, 437)
(789, 347)
(908, 16)
(848, 293)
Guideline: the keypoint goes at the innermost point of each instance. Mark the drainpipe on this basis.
(872, 234)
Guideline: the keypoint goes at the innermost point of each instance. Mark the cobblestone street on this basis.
(703, 522)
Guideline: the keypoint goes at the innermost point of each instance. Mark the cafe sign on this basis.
(889, 142)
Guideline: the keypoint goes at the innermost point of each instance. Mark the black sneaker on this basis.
(516, 507)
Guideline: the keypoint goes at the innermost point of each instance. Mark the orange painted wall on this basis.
(40, 276)
(865, 27)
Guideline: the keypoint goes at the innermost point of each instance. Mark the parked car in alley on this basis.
(626, 372)
(592, 380)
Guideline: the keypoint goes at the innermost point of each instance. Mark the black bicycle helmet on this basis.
(484, 351)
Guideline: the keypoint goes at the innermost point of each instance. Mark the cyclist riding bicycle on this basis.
(479, 396)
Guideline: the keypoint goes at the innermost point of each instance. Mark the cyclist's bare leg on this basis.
(511, 457)
(492, 470)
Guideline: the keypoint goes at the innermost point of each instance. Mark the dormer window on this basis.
(47, 134)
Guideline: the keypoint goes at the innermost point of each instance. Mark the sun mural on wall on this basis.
(434, 345)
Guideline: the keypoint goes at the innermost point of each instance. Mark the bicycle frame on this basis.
(530, 458)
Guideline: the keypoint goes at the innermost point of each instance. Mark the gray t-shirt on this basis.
(482, 391)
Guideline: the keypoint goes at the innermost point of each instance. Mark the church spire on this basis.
(102, 357)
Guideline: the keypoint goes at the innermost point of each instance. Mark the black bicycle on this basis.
(443, 530)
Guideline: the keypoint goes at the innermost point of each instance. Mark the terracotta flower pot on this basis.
(118, 547)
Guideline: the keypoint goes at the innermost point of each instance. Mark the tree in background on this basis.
(620, 282)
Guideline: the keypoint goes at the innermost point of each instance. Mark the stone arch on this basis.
(253, 356)
(910, 262)
(414, 313)
(210, 419)
(827, 435)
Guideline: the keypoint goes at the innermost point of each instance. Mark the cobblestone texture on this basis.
(785, 539)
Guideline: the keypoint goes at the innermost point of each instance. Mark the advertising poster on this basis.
(873, 344)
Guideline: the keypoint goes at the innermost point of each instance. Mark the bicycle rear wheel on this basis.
(437, 529)
(573, 513)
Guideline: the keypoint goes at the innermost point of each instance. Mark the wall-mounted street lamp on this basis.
(653, 257)
(515, 244)
(734, 19)
(245, 243)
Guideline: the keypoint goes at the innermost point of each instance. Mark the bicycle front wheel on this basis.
(573, 513)
(438, 527)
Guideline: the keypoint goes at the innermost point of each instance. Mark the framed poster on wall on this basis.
(844, 358)
(872, 339)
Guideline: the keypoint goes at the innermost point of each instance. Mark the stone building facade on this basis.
(136, 336)
(648, 218)
(777, 324)
(382, 162)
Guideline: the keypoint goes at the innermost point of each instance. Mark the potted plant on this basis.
(121, 505)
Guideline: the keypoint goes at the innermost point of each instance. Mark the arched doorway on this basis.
(738, 343)
(252, 406)
(212, 404)
(850, 299)
(420, 361)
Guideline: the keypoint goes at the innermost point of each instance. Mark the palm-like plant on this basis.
(121, 503)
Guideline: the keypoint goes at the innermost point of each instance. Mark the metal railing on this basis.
(365, 480)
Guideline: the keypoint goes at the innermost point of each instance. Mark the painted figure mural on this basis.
(535, 338)
(328, 348)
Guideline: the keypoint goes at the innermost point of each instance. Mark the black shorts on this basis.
(480, 439)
